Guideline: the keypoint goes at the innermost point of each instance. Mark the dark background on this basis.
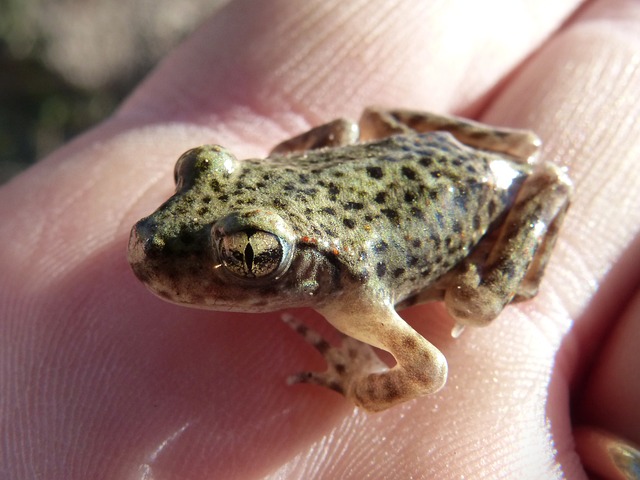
(66, 65)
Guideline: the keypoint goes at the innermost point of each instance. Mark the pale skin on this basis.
(102, 380)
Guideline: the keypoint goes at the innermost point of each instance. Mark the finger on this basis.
(319, 60)
(612, 389)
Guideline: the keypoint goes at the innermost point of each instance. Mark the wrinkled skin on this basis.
(100, 379)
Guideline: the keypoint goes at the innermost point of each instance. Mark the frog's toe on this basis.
(345, 363)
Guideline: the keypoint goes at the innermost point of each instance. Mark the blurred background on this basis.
(65, 65)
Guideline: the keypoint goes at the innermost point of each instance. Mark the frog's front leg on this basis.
(478, 292)
(354, 369)
(522, 145)
(333, 134)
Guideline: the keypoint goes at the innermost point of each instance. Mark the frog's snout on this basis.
(139, 240)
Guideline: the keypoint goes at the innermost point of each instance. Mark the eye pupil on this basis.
(248, 256)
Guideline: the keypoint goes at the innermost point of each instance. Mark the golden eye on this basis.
(253, 245)
(251, 253)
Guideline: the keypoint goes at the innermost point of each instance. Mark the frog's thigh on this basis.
(523, 145)
(476, 295)
(528, 288)
(333, 134)
(421, 368)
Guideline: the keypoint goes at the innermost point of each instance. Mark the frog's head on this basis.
(193, 251)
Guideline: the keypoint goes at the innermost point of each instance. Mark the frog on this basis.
(358, 220)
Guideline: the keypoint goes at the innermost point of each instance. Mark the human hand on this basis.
(102, 380)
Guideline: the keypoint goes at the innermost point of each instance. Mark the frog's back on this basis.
(399, 212)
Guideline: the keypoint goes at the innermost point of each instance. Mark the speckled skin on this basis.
(352, 229)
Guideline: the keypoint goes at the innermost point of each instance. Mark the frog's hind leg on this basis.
(515, 263)
(522, 145)
(333, 134)
(355, 370)
(528, 288)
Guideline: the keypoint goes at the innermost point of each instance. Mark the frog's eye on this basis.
(251, 253)
(201, 162)
(253, 245)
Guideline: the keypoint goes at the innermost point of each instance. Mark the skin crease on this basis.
(102, 380)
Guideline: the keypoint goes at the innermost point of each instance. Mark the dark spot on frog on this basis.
(409, 343)
(329, 211)
(375, 172)
(328, 231)
(416, 243)
(279, 203)
(381, 197)
(391, 390)
(508, 268)
(491, 208)
(426, 162)
(381, 246)
(349, 223)
(409, 197)
(398, 272)
(323, 346)
(409, 173)
(223, 198)
(417, 213)
(215, 185)
(353, 206)
(391, 214)
(476, 222)
(336, 387)
(334, 190)
(381, 269)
